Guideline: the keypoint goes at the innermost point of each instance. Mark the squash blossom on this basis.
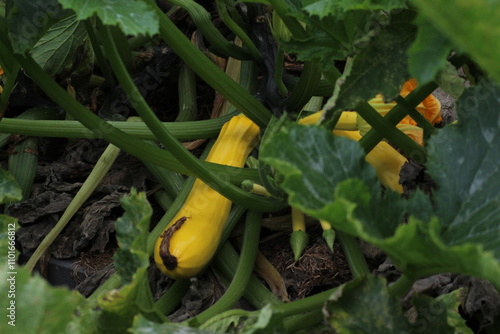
(430, 108)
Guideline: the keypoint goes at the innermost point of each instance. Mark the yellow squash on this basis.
(384, 158)
(191, 238)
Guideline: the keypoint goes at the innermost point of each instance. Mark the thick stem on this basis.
(353, 254)
(243, 271)
(188, 160)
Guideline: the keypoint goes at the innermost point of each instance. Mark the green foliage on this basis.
(364, 48)
(467, 199)
(9, 188)
(327, 178)
(471, 25)
(131, 261)
(63, 47)
(379, 68)
(37, 307)
(366, 306)
(29, 20)
(132, 16)
(428, 54)
(323, 8)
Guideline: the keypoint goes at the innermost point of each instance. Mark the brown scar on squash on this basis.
(169, 260)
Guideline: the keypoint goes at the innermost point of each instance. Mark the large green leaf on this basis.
(30, 305)
(380, 68)
(131, 261)
(326, 179)
(471, 25)
(463, 161)
(365, 306)
(428, 53)
(28, 21)
(323, 8)
(61, 46)
(132, 16)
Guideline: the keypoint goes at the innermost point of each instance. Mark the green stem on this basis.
(202, 20)
(305, 88)
(173, 296)
(401, 287)
(278, 73)
(256, 293)
(304, 321)
(237, 30)
(188, 160)
(121, 44)
(110, 132)
(282, 8)
(93, 180)
(210, 73)
(324, 87)
(188, 108)
(353, 254)
(99, 55)
(182, 131)
(396, 114)
(418, 117)
(23, 163)
(37, 114)
(243, 271)
(389, 131)
(304, 305)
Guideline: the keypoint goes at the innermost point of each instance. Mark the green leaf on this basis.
(29, 20)
(10, 191)
(32, 305)
(144, 326)
(365, 306)
(441, 314)
(471, 25)
(131, 261)
(132, 234)
(468, 200)
(326, 177)
(428, 53)
(58, 49)
(324, 8)
(450, 81)
(264, 321)
(314, 164)
(132, 16)
(380, 68)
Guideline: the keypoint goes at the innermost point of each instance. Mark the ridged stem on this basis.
(243, 271)
(210, 73)
(305, 88)
(202, 21)
(354, 256)
(396, 114)
(174, 146)
(389, 131)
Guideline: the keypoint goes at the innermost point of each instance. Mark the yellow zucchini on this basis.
(384, 158)
(191, 238)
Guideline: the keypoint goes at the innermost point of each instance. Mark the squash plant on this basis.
(352, 52)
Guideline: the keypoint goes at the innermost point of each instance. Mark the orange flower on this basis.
(430, 107)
